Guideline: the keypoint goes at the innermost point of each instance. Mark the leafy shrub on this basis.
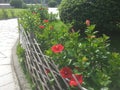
(10, 13)
(88, 56)
(20, 51)
(39, 10)
(21, 56)
(52, 17)
(4, 14)
(114, 72)
(104, 13)
(52, 3)
(72, 11)
(58, 1)
(37, 14)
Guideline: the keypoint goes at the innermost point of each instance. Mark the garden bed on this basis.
(43, 71)
(59, 58)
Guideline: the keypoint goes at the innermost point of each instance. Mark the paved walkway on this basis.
(8, 37)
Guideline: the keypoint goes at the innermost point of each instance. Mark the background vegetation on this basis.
(90, 54)
(52, 3)
(105, 14)
(10, 13)
(17, 3)
(99, 12)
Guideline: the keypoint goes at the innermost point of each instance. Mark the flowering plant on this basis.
(66, 73)
(80, 60)
(57, 48)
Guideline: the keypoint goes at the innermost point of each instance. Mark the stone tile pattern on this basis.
(8, 36)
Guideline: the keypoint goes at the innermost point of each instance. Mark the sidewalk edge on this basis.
(19, 76)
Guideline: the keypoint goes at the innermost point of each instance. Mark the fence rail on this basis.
(38, 65)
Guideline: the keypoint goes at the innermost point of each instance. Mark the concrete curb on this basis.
(20, 80)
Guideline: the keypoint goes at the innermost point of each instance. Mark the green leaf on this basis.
(105, 37)
(52, 81)
(91, 27)
(104, 88)
(70, 61)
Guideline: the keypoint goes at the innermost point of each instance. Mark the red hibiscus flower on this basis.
(87, 22)
(45, 21)
(73, 82)
(66, 72)
(41, 27)
(57, 48)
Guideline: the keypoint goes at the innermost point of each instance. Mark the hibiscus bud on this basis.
(84, 59)
(45, 21)
(87, 22)
(93, 36)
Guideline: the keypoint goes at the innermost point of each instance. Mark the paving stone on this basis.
(5, 61)
(5, 69)
(8, 86)
(8, 36)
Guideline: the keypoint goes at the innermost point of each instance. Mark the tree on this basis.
(104, 13)
(17, 3)
(52, 3)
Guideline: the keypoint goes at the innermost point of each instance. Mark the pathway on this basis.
(8, 37)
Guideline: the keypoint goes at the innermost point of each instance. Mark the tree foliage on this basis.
(104, 13)
(17, 3)
(52, 3)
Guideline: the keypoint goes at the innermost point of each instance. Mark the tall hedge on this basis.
(52, 3)
(104, 13)
(17, 3)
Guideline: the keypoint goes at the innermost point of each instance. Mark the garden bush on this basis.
(17, 3)
(52, 3)
(10, 13)
(88, 58)
(58, 1)
(4, 14)
(105, 14)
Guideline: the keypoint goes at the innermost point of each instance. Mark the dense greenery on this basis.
(10, 13)
(52, 3)
(104, 13)
(42, 1)
(32, 1)
(21, 57)
(17, 3)
(89, 55)
(70, 11)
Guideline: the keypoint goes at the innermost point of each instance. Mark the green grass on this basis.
(10, 13)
